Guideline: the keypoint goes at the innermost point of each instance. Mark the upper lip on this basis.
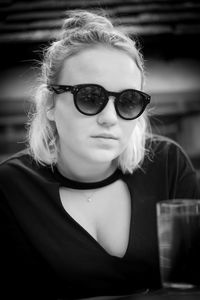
(106, 136)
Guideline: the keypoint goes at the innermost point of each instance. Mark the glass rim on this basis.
(178, 202)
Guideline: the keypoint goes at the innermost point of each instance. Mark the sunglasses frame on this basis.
(59, 89)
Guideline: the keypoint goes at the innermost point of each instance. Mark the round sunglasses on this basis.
(91, 99)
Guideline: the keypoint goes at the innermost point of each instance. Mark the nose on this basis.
(108, 116)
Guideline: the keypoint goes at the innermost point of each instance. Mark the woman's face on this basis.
(103, 137)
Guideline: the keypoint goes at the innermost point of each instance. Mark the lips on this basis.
(106, 136)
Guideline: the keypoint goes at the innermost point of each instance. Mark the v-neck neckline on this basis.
(66, 182)
(95, 242)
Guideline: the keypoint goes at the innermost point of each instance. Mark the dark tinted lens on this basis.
(130, 104)
(90, 99)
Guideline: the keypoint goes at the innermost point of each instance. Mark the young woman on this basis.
(77, 208)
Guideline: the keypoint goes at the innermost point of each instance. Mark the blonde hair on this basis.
(81, 29)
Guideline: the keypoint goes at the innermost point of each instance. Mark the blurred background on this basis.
(169, 35)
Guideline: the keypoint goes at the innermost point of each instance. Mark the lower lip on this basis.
(101, 138)
(105, 141)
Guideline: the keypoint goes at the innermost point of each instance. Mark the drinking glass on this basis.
(178, 224)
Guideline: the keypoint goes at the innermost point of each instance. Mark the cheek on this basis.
(64, 121)
(127, 130)
(72, 127)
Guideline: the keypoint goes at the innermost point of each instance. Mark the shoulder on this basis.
(13, 160)
(168, 152)
(168, 170)
(162, 145)
(21, 168)
(167, 159)
(18, 160)
(172, 162)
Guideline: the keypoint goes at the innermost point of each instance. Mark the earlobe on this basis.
(50, 114)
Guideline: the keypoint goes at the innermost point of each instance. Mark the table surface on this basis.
(166, 294)
(163, 294)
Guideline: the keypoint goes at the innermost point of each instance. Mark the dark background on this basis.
(168, 32)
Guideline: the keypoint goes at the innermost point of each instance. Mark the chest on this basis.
(104, 213)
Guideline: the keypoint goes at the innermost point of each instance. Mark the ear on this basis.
(50, 114)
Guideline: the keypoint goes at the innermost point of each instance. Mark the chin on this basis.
(104, 156)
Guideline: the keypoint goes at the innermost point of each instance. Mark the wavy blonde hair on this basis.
(81, 29)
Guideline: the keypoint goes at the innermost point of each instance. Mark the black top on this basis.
(46, 254)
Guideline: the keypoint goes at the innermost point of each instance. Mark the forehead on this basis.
(100, 65)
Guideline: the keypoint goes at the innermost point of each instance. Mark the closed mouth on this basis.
(111, 137)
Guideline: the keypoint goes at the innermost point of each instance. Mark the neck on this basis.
(84, 172)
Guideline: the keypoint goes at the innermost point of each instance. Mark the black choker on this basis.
(64, 181)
